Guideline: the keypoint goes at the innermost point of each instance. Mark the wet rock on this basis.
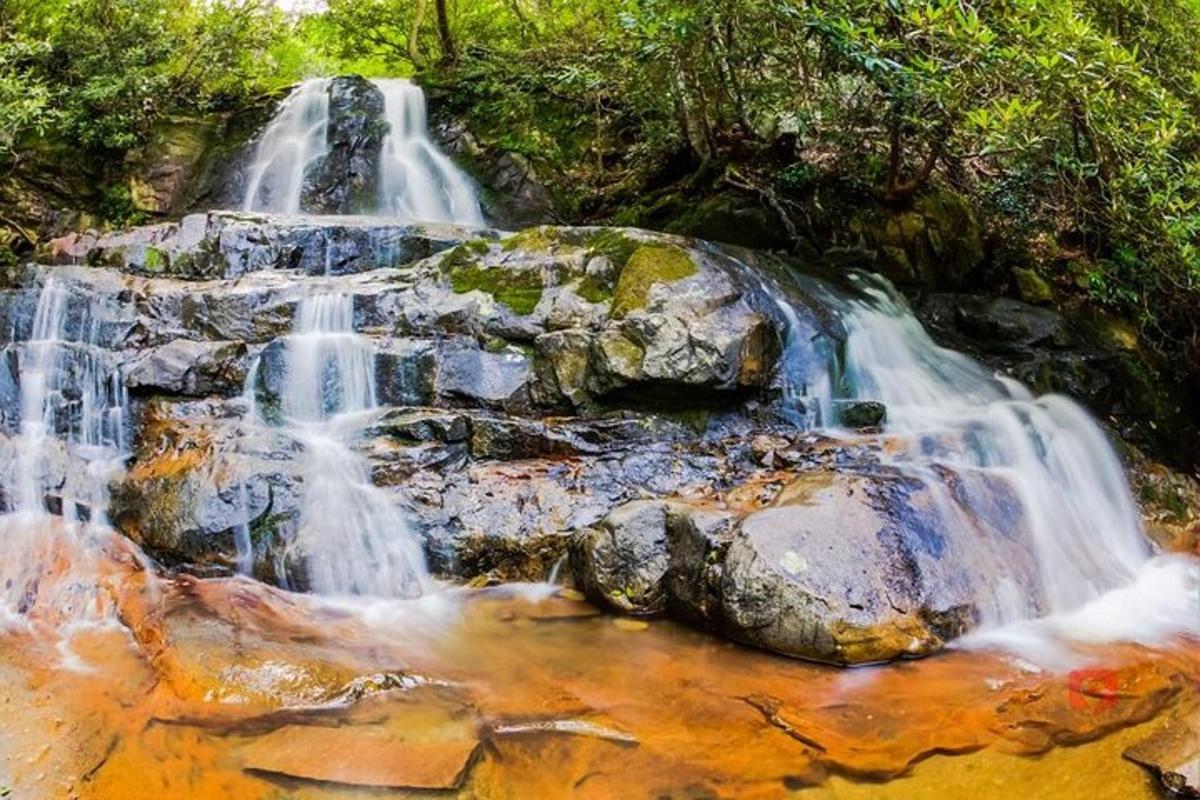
(698, 539)
(405, 372)
(226, 244)
(194, 369)
(847, 569)
(198, 479)
(469, 374)
(622, 562)
(860, 413)
(344, 180)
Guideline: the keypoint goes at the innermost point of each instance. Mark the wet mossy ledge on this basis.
(603, 265)
(647, 266)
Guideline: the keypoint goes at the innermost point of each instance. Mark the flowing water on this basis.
(295, 140)
(352, 539)
(1042, 462)
(70, 442)
(416, 180)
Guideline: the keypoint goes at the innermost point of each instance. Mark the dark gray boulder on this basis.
(344, 181)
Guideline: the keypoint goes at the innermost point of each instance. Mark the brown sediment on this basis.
(227, 688)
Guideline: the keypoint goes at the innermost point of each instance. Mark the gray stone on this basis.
(859, 413)
(622, 563)
(194, 369)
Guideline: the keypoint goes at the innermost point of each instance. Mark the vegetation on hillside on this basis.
(1071, 124)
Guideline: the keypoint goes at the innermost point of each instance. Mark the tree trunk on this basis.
(449, 54)
(414, 33)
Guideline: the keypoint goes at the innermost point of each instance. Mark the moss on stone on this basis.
(594, 289)
(154, 260)
(648, 265)
(540, 239)
(518, 290)
(613, 245)
(1032, 287)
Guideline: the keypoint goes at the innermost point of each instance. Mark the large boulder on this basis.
(344, 180)
(855, 568)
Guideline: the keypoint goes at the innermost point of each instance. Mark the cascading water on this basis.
(69, 394)
(69, 446)
(1061, 479)
(353, 540)
(294, 140)
(416, 180)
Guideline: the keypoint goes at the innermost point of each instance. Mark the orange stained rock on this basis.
(226, 688)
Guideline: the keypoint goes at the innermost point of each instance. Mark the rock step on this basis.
(228, 244)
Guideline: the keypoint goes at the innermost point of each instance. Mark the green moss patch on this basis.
(614, 245)
(518, 290)
(538, 240)
(648, 265)
(594, 289)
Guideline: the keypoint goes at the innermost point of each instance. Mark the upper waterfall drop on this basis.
(416, 179)
(412, 179)
(295, 139)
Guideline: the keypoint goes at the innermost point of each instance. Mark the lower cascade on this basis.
(351, 537)
(985, 446)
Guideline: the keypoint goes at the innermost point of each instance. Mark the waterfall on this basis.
(69, 445)
(947, 414)
(69, 394)
(416, 180)
(352, 539)
(295, 139)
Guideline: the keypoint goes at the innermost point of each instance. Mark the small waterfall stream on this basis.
(417, 180)
(70, 443)
(68, 390)
(351, 537)
(982, 444)
(295, 139)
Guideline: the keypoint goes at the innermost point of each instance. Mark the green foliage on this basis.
(100, 73)
(1063, 120)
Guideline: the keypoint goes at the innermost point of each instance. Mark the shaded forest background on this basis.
(1066, 130)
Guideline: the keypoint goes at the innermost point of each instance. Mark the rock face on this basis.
(344, 180)
(226, 244)
(602, 404)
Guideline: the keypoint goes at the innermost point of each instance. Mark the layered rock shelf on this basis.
(604, 404)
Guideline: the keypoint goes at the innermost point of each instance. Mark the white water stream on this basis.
(416, 180)
(69, 446)
(351, 537)
(1066, 484)
(295, 139)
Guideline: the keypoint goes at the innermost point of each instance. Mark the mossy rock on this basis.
(537, 240)
(1032, 287)
(518, 290)
(649, 265)
(613, 245)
